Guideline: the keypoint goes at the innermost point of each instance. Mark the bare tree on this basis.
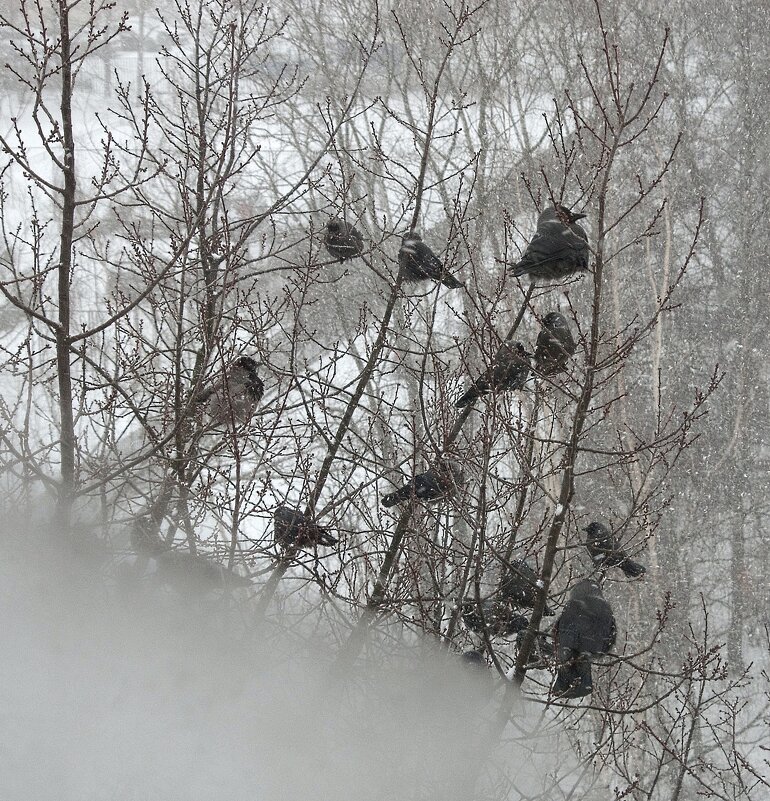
(190, 232)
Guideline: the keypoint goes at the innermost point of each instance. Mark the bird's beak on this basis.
(576, 217)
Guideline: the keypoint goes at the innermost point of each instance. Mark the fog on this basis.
(116, 688)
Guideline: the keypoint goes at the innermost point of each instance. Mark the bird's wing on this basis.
(573, 625)
(430, 485)
(555, 242)
(598, 634)
(429, 261)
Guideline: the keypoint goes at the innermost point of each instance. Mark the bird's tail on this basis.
(632, 569)
(325, 538)
(468, 397)
(398, 496)
(573, 679)
(516, 270)
(451, 282)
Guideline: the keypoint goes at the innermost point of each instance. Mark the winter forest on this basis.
(384, 409)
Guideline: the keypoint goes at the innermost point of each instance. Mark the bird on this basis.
(606, 551)
(342, 240)
(510, 370)
(478, 683)
(586, 627)
(196, 571)
(144, 537)
(542, 650)
(235, 397)
(493, 615)
(181, 568)
(474, 659)
(294, 528)
(558, 248)
(419, 263)
(438, 482)
(555, 345)
(520, 586)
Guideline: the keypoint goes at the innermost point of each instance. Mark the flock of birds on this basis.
(585, 629)
(586, 626)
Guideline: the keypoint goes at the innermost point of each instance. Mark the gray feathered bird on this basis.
(494, 615)
(235, 397)
(606, 551)
(342, 240)
(519, 586)
(439, 482)
(419, 263)
(292, 527)
(509, 371)
(555, 345)
(558, 248)
(181, 568)
(586, 628)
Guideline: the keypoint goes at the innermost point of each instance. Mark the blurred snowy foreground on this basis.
(119, 689)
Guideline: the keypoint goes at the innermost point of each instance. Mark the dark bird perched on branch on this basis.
(606, 550)
(342, 240)
(555, 345)
(419, 263)
(474, 659)
(542, 651)
(509, 371)
(235, 396)
(497, 617)
(586, 627)
(180, 567)
(292, 527)
(520, 586)
(440, 481)
(558, 248)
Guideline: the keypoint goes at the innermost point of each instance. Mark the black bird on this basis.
(558, 248)
(482, 683)
(439, 482)
(542, 651)
(519, 586)
(555, 345)
(606, 550)
(496, 616)
(236, 395)
(586, 627)
(182, 568)
(419, 263)
(509, 371)
(474, 659)
(342, 240)
(292, 527)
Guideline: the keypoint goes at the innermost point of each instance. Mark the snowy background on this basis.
(211, 143)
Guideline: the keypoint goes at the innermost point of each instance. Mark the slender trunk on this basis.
(63, 365)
